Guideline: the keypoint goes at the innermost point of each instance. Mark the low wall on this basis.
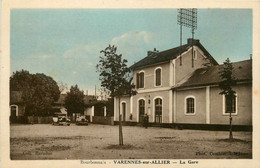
(18, 119)
(103, 120)
(88, 118)
(39, 120)
(210, 127)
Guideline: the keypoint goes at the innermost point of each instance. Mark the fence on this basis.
(32, 120)
(39, 120)
(48, 120)
(103, 120)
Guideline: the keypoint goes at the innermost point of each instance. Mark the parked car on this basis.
(81, 120)
(60, 119)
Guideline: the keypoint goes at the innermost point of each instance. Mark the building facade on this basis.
(180, 85)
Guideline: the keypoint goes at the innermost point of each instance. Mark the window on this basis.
(124, 110)
(158, 110)
(194, 54)
(140, 80)
(230, 104)
(158, 77)
(190, 105)
(141, 109)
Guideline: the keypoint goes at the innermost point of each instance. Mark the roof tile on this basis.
(167, 55)
(210, 75)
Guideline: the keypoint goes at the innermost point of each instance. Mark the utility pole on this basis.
(179, 19)
(95, 92)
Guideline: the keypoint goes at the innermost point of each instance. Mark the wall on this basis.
(21, 110)
(88, 111)
(39, 120)
(152, 95)
(149, 76)
(103, 120)
(200, 107)
(186, 67)
(149, 108)
(116, 113)
(244, 106)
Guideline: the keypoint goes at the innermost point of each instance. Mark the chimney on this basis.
(195, 41)
(151, 53)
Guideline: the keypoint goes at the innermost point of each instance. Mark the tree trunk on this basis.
(112, 113)
(230, 130)
(120, 125)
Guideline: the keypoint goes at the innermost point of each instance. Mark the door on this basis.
(13, 113)
(141, 110)
(124, 110)
(158, 110)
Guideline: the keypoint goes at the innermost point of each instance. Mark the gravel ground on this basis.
(43, 141)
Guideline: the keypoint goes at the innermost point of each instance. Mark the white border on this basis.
(224, 106)
(155, 76)
(144, 79)
(16, 109)
(154, 107)
(185, 108)
(126, 4)
(140, 98)
(121, 110)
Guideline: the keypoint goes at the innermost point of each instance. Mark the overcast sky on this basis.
(65, 43)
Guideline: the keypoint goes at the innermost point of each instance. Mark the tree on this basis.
(39, 91)
(74, 101)
(113, 70)
(115, 76)
(226, 88)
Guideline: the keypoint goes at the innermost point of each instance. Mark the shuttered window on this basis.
(158, 110)
(137, 80)
(230, 104)
(140, 80)
(158, 77)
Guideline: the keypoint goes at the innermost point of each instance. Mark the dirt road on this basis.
(43, 141)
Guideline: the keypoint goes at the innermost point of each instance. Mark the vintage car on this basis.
(60, 119)
(81, 120)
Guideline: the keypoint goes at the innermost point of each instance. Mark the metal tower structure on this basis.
(188, 18)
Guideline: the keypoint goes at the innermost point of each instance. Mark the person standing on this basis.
(146, 119)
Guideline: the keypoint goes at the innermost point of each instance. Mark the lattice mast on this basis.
(188, 18)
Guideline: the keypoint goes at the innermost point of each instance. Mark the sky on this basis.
(66, 43)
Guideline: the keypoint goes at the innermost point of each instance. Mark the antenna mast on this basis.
(187, 17)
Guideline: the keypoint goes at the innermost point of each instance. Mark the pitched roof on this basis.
(167, 55)
(87, 99)
(210, 75)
